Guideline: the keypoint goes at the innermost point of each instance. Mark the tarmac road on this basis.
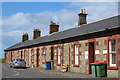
(8, 72)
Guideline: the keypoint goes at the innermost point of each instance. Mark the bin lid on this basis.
(47, 61)
(99, 63)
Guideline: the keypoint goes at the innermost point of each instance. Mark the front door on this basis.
(11, 56)
(21, 54)
(52, 53)
(91, 55)
(37, 57)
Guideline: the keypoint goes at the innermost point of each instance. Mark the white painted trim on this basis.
(76, 55)
(110, 53)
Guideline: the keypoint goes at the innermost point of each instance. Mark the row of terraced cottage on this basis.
(78, 47)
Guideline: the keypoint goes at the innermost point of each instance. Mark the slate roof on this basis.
(79, 30)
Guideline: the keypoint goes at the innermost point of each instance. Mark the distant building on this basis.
(78, 47)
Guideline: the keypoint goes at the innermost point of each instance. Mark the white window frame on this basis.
(44, 55)
(76, 55)
(32, 55)
(110, 53)
(59, 56)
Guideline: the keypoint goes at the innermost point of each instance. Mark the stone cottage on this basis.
(78, 47)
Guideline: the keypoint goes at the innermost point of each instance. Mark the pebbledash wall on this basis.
(64, 52)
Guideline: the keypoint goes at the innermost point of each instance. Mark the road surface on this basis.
(8, 72)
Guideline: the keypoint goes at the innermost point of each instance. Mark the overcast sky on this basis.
(20, 17)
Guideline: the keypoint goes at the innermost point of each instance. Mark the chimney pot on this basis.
(81, 10)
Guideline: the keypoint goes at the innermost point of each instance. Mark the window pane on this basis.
(76, 49)
(58, 55)
(112, 52)
(76, 60)
(76, 54)
(113, 43)
(113, 58)
(58, 59)
(58, 50)
(43, 54)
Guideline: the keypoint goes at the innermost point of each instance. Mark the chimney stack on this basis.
(82, 17)
(36, 33)
(25, 37)
(54, 27)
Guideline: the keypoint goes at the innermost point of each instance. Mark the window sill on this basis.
(58, 64)
(43, 62)
(76, 66)
(115, 68)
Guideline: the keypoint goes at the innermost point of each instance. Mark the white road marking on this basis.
(16, 72)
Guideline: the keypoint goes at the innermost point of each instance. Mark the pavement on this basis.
(67, 74)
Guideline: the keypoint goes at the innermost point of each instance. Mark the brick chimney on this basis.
(82, 17)
(36, 33)
(54, 27)
(25, 37)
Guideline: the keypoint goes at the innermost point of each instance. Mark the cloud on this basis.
(17, 20)
(13, 33)
(21, 22)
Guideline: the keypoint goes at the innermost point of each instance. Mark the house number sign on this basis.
(104, 51)
(97, 51)
(86, 54)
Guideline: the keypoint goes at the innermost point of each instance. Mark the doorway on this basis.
(24, 55)
(52, 53)
(37, 58)
(91, 54)
(21, 54)
(11, 56)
